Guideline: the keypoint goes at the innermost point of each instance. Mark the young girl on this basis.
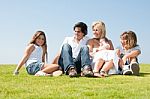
(34, 58)
(129, 52)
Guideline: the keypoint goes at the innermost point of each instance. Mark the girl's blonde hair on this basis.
(131, 38)
(44, 46)
(101, 27)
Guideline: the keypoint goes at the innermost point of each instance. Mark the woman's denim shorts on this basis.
(33, 68)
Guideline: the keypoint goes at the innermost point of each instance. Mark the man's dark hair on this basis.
(83, 27)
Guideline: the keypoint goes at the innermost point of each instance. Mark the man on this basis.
(74, 55)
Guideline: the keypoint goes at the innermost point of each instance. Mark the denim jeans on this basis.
(66, 60)
(34, 67)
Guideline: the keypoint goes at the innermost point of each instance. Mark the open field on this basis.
(26, 86)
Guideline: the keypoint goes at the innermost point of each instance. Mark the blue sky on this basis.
(20, 19)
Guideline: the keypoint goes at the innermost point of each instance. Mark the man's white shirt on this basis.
(75, 46)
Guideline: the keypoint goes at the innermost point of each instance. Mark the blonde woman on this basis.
(97, 49)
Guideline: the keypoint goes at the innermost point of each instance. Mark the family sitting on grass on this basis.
(80, 55)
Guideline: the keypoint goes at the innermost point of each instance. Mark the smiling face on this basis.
(78, 33)
(98, 29)
(40, 40)
(123, 43)
(96, 32)
(124, 39)
(128, 40)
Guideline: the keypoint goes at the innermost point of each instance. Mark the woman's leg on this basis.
(98, 65)
(107, 66)
(50, 68)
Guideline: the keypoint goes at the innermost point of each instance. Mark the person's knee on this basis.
(66, 47)
(84, 48)
(133, 59)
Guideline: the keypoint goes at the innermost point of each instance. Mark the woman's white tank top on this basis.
(36, 55)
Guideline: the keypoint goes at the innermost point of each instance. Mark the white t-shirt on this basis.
(75, 46)
(36, 55)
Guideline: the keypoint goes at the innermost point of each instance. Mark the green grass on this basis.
(26, 86)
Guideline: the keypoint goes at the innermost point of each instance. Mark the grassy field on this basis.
(26, 86)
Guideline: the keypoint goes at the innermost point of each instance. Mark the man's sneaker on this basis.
(87, 71)
(135, 68)
(126, 70)
(72, 72)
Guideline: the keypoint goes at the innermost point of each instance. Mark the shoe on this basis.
(134, 67)
(72, 72)
(57, 73)
(41, 73)
(87, 71)
(126, 70)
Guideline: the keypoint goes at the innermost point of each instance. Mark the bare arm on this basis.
(90, 46)
(111, 45)
(25, 57)
(134, 53)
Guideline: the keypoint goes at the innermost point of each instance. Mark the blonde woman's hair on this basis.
(131, 38)
(44, 46)
(101, 27)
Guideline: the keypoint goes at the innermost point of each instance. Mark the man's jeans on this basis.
(66, 60)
